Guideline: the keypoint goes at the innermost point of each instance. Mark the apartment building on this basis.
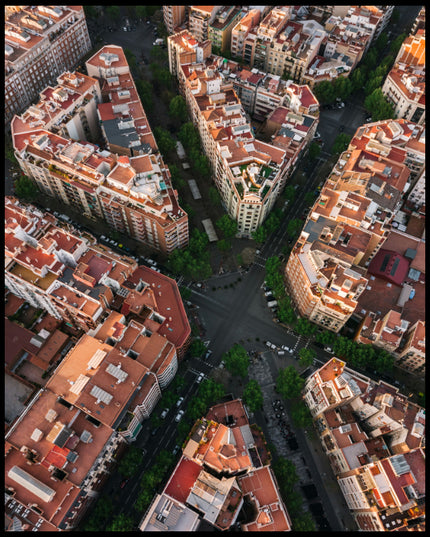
(54, 269)
(41, 42)
(258, 40)
(69, 109)
(374, 439)
(222, 466)
(292, 52)
(199, 19)
(404, 85)
(174, 17)
(56, 461)
(249, 173)
(349, 223)
(240, 31)
(133, 191)
(183, 48)
(220, 30)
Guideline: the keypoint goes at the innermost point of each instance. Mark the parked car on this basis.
(222, 364)
(179, 402)
(179, 415)
(208, 354)
(164, 413)
(123, 483)
(200, 378)
(175, 449)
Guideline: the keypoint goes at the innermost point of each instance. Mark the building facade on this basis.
(41, 42)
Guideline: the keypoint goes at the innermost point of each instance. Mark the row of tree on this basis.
(287, 478)
(369, 77)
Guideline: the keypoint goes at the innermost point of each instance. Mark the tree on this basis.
(378, 106)
(197, 347)
(178, 108)
(288, 383)
(141, 11)
(198, 242)
(259, 235)
(305, 327)
(306, 356)
(164, 139)
(237, 360)
(214, 196)
(300, 414)
(210, 391)
(325, 337)
(144, 89)
(293, 227)
(303, 522)
(314, 151)
(253, 396)
(121, 523)
(286, 474)
(227, 225)
(324, 92)
(131, 58)
(113, 13)
(289, 193)
(189, 136)
(26, 189)
(341, 143)
(130, 462)
(223, 245)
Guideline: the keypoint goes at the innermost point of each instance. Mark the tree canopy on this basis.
(237, 360)
(289, 383)
(253, 396)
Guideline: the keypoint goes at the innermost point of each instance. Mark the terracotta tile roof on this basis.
(271, 512)
(182, 480)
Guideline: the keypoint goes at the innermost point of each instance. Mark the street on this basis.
(230, 311)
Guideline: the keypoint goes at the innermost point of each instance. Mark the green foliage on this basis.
(121, 522)
(314, 151)
(305, 327)
(26, 189)
(289, 193)
(189, 136)
(144, 89)
(185, 292)
(214, 196)
(293, 227)
(227, 225)
(378, 106)
(303, 521)
(324, 92)
(325, 338)
(286, 312)
(300, 414)
(223, 245)
(288, 383)
(101, 513)
(113, 13)
(178, 108)
(197, 347)
(131, 58)
(306, 356)
(260, 234)
(237, 360)
(198, 242)
(130, 462)
(164, 139)
(161, 74)
(253, 396)
(341, 143)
